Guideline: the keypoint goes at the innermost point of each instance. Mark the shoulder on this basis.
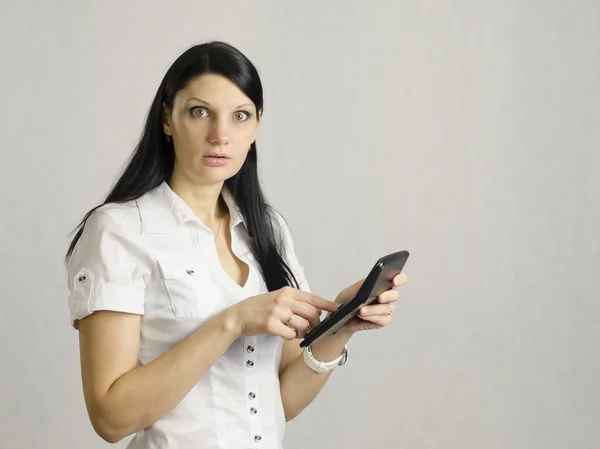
(282, 231)
(277, 218)
(280, 225)
(122, 218)
(110, 240)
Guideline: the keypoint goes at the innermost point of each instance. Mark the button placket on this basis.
(252, 394)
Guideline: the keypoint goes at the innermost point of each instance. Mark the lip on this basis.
(220, 155)
(212, 161)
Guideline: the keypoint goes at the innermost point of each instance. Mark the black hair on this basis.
(151, 163)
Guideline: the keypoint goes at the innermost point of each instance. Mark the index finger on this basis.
(317, 301)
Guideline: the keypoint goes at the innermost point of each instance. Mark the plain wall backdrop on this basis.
(466, 132)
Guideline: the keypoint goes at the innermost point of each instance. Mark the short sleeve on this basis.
(108, 268)
(290, 253)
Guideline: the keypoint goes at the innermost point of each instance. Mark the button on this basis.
(249, 363)
(250, 349)
(257, 438)
(190, 272)
(81, 279)
(253, 411)
(251, 395)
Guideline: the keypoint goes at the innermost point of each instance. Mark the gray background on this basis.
(466, 132)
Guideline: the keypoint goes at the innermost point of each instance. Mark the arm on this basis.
(298, 383)
(107, 276)
(122, 399)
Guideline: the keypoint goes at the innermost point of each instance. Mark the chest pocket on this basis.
(191, 290)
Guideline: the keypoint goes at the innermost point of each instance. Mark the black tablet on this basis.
(378, 281)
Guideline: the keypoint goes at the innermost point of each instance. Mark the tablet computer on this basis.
(378, 281)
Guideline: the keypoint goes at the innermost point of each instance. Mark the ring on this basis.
(289, 321)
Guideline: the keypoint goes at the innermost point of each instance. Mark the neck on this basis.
(204, 199)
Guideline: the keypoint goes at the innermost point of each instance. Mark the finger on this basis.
(378, 319)
(376, 310)
(298, 321)
(389, 296)
(301, 326)
(312, 316)
(306, 311)
(317, 301)
(276, 327)
(400, 279)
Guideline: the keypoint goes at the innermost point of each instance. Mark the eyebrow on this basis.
(208, 104)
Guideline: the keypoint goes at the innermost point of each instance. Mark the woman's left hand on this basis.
(377, 314)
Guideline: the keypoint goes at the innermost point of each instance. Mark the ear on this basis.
(256, 131)
(166, 117)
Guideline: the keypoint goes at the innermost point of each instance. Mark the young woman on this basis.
(184, 284)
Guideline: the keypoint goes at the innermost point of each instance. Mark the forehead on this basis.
(217, 90)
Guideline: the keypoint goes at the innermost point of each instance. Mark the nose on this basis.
(219, 132)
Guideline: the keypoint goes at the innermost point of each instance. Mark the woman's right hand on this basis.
(268, 313)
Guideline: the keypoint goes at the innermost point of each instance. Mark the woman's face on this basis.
(211, 115)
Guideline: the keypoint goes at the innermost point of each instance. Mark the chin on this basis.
(216, 174)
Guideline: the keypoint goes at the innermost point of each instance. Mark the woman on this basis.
(185, 287)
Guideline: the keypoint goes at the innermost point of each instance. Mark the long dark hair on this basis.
(152, 161)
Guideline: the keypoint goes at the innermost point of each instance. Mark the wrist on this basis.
(324, 366)
(330, 347)
(231, 322)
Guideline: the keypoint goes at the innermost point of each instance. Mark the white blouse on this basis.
(154, 257)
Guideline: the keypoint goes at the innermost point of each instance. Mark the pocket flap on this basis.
(177, 269)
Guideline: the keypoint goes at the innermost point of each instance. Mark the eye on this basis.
(242, 114)
(199, 111)
(194, 112)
